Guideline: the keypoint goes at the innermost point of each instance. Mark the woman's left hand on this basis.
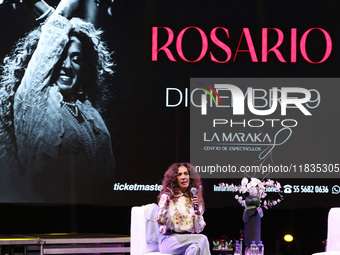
(195, 201)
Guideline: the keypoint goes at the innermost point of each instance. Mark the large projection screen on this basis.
(164, 54)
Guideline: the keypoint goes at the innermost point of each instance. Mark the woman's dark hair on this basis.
(170, 185)
(97, 67)
(13, 69)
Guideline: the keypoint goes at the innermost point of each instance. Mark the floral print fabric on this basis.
(178, 215)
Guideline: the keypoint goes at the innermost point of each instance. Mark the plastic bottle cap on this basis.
(252, 241)
(237, 241)
(260, 241)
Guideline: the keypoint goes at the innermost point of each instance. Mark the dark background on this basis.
(148, 137)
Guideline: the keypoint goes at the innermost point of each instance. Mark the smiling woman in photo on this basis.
(53, 84)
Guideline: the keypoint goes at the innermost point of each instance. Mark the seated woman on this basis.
(181, 212)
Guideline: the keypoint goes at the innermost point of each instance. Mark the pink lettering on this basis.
(154, 50)
(273, 49)
(220, 44)
(204, 44)
(328, 45)
(251, 48)
(293, 45)
(245, 35)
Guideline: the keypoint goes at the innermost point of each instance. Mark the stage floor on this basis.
(64, 243)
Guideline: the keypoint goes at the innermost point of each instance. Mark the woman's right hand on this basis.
(67, 8)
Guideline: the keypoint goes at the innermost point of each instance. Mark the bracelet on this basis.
(45, 15)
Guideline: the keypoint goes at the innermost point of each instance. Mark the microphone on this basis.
(194, 191)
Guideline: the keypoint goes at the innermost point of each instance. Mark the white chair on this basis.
(144, 230)
(333, 233)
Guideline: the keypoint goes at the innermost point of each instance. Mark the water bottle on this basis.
(253, 248)
(246, 251)
(241, 245)
(237, 248)
(260, 248)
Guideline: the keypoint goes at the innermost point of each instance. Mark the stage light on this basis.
(288, 238)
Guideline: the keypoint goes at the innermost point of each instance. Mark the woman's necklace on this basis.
(85, 129)
(69, 106)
